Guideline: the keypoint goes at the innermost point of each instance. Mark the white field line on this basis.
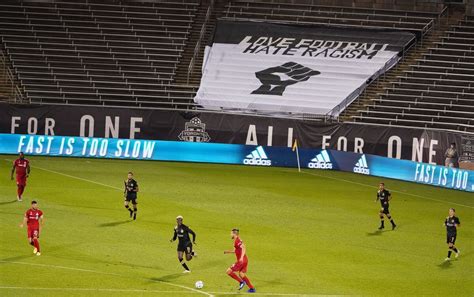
(196, 291)
(395, 191)
(75, 177)
(310, 173)
(151, 291)
(107, 273)
(94, 290)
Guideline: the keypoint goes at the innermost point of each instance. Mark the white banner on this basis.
(273, 68)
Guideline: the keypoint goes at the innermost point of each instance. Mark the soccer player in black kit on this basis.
(384, 196)
(452, 223)
(185, 246)
(130, 193)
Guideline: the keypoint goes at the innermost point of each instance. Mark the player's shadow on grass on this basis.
(9, 213)
(94, 260)
(8, 202)
(113, 224)
(376, 233)
(29, 256)
(90, 207)
(445, 265)
(166, 278)
(15, 259)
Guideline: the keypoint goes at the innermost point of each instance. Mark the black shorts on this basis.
(183, 247)
(131, 198)
(384, 209)
(451, 238)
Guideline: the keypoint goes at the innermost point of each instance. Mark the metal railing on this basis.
(197, 48)
(355, 97)
(8, 80)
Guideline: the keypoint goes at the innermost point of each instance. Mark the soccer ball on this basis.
(199, 285)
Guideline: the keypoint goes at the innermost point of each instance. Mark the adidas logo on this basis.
(321, 161)
(258, 157)
(361, 166)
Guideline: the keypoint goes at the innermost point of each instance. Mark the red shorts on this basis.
(33, 232)
(240, 266)
(21, 180)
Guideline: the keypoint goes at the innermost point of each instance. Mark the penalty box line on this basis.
(395, 191)
(196, 291)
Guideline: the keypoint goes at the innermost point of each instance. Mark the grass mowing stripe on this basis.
(394, 191)
(106, 273)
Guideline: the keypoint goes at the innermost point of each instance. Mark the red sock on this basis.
(36, 243)
(234, 276)
(247, 281)
(19, 191)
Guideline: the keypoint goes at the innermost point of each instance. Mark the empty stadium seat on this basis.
(419, 23)
(437, 91)
(100, 52)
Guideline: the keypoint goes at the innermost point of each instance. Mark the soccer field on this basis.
(311, 233)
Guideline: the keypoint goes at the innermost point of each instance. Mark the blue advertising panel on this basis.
(314, 159)
(120, 148)
(453, 178)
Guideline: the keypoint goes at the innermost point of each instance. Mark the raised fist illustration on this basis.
(275, 79)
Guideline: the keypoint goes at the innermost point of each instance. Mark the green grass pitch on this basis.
(312, 233)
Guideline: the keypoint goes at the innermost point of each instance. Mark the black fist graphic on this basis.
(275, 79)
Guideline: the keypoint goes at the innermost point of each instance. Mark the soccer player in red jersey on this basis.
(22, 168)
(242, 261)
(33, 218)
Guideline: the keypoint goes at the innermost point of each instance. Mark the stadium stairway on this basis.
(390, 77)
(222, 8)
(183, 75)
(435, 91)
(9, 86)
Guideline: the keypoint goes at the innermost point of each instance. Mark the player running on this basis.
(185, 246)
(384, 196)
(241, 264)
(33, 218)
(452, 223)
(22, 168)
(130, 193)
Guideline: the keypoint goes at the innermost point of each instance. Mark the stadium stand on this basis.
(417, 22)
(138, 54)
(9, 90)
(101, 52)
(437, 91)
(189, 70)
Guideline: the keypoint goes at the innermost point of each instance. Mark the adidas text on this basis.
(258, 162)
(319, 165)
(361, 170)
